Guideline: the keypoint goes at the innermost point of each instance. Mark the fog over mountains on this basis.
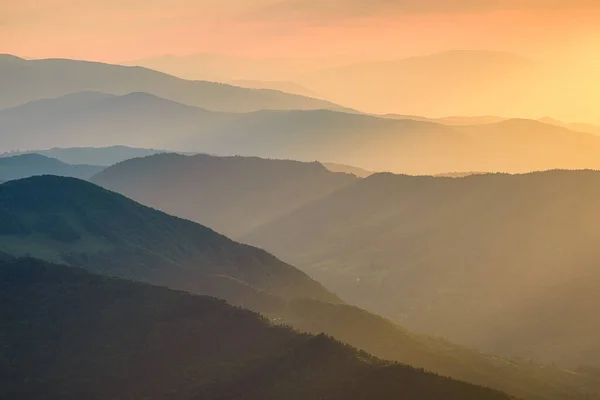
(378, 144)
(160, 342)
(27, 80)
(456, 82)
(83, 225)
(483, 260)
(238, 227)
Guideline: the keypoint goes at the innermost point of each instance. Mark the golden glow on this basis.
(563, 35)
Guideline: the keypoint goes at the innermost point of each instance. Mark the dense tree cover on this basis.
(122, 238)
(70, 220)
(67, 334)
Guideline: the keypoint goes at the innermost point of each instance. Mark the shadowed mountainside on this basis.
(103, 232)
(82, 224)
(67, 334)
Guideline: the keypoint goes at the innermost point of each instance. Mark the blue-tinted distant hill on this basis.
(408, 146)
(101, 156)
(26, 165)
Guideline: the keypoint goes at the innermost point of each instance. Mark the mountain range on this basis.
(234, 195)
(502, 263)
(26, 165)
(28, 80)
(445, 256)
(367, 142)
(83, 225)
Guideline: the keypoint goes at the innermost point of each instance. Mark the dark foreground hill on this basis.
(504, 263)
(26, 165)
(73, 221)
(76, 222)
(66, 334)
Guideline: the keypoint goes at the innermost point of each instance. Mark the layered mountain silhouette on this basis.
(26, 165)
(575, 126)
(504, 263)
(492, 119)
(71, 221)
(96, 119)
(367, 142)
(67, 334)
(27, 80)
(101, 156)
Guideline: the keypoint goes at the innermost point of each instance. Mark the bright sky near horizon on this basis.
(119, 30)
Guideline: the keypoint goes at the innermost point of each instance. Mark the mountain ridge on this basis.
(29, 80)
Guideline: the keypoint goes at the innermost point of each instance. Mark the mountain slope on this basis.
(66, 334)
(27, 80)
(503, 263)
(24, 166)
(95, 119)
(82, 224)
(368, 142)
(68, 220)
(344, 138)
(233, 195)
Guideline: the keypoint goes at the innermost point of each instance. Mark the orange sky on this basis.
(118, 30)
